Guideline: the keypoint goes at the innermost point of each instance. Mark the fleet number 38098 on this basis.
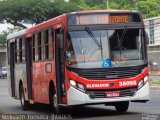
(128, 83)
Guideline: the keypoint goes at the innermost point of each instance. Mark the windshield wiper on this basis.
(120, 40)
(99, 44)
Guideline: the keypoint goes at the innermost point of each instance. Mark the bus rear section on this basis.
(106, 59)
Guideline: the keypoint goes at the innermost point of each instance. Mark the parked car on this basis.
(3, 72)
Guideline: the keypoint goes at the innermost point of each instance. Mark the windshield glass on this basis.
(95, 49)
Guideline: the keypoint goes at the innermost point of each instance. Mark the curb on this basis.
(154, 87)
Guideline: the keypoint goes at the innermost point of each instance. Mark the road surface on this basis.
(94, 112)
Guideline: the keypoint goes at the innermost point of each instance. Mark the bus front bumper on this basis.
(76, 97)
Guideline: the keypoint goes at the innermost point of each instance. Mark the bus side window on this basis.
(20, 50)
(33, 47)
(17, 50)
(8, 52)
(36, 47)
(51, 44)
(46, 42)
(39, 46)
(23, 49)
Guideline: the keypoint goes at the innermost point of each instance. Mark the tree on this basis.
(3, 38)
(3, 35)
(121, 4)
(112, 4)
(149, 8)
(18, 12)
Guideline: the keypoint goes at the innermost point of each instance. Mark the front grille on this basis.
(102, 94)
(108, 73)
(111, 73)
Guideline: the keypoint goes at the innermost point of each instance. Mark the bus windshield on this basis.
(89, 49)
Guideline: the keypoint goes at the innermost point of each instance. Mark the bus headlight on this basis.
(77, 85)
(73, 83)
(143, 82)
(146, 79)
(140, 84)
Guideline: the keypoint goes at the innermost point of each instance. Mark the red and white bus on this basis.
(81, 58)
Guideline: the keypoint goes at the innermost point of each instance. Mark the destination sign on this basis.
(84, 19)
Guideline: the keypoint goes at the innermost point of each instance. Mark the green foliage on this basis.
(18, 12)
(121, 4)
(4, 34)
(3, 38)
(149, 8)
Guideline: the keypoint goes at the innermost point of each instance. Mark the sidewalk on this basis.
(154, 77)
(154, 87)
(154, 82)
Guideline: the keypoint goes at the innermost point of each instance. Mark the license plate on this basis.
(112, 94)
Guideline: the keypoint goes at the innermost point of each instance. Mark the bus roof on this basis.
(36, 27)
(47, 23)
(15, 34)
(54, 20)
(101, 11)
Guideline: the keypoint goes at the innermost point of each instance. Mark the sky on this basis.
(3, 27)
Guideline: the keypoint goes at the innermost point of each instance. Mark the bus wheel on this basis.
(122, 106)
(24, 103)
(54, 103)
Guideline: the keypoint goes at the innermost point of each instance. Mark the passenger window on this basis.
(33, 48)
(18, 50)
(39, 46)
(46, 44)
(51, 44)
(36, 47)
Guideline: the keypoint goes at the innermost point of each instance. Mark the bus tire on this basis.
(122, 106)
(24, 103)
(53, 103)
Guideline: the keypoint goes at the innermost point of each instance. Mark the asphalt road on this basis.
(94, 112)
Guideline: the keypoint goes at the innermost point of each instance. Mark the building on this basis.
(3, 52)
(153, 30)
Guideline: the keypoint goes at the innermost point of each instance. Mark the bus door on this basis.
(59, 65)
(12, 68)
(29, 66)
